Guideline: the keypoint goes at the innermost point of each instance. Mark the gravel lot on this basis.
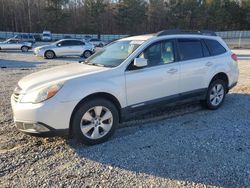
(172, 147)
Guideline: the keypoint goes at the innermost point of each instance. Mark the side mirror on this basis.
(59, 45)
(140, 62)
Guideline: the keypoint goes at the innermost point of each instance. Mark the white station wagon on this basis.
(89, 99)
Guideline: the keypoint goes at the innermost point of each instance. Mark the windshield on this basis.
(114, 54)
(6, 40)
(46, 35)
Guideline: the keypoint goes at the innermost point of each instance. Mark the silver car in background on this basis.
(15, 44)
(97, 42)
(65, 47)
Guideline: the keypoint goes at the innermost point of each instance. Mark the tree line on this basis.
(123, 16)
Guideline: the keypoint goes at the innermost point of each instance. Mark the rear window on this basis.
(190, 49)
(214, 47)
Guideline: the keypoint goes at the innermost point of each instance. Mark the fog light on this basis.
(40, 128)
(31, 127)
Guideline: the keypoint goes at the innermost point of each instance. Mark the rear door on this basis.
(64, 48)
(193, 65)
(78, 47)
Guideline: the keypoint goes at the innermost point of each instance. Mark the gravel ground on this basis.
(171, 147)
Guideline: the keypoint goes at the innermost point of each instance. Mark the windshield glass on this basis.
(6, 40)
(46, 35)
(114, 54)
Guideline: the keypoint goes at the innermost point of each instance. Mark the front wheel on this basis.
(95, 121)
(24, 49)
(49, 54)
(215, 95)
(87, 54)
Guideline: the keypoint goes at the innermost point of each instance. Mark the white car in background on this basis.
(65, 47)
(15, 44)
(138, 73)
(46, 36)
(97, 42)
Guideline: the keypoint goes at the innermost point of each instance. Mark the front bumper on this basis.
(40, 129)
(49, 118)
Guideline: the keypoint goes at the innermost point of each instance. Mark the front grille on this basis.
(17, 93)
(16, 97)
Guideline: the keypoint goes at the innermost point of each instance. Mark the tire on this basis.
(87, 54)
(216, 94)
(49, 54)
(25, 49)
(87, 124)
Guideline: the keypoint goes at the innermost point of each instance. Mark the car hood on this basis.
(45, 46)
(57, 74)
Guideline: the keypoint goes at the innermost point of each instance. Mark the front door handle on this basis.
(172, 71)
(208, 64)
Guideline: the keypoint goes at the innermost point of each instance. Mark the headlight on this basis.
(42, 94)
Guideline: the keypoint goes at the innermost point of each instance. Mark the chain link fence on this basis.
(234, 39)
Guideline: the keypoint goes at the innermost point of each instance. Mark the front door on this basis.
(157, 81)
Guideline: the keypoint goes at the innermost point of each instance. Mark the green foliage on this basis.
(123, 16)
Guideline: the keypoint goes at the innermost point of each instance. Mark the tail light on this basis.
(234, 57)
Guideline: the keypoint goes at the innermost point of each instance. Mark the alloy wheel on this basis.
(216, 94)
(96, 122)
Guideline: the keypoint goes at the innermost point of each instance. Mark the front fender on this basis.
(78, 89)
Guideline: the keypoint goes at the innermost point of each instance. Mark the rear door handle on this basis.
(208, 64)
(172, 71)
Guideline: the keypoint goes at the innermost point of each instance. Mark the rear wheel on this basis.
(24, 49)
(95, 121)
(87, 54)
(215, 95)
(49, 54)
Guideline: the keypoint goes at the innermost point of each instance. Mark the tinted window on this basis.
(159, 53)
(77, 42)
(13, 41)
(215, 47)
(65, 43)
(205, 50)
(190, 49)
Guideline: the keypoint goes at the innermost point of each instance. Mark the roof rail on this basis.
(180, 32)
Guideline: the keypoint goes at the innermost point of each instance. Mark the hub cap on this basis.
(96, 122)
(87, 54)
(216, 94)
(49, 55)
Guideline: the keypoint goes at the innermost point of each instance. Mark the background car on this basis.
(37, 37)
(25, 38)
(65, 47)
(97, 42)
(15, 44)
(46, 36)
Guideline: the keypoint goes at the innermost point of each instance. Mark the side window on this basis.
(159, 53)
(190, 49)
(215, 47)
(65, 43)
(79, 43)
(205, 50)
(73, 42)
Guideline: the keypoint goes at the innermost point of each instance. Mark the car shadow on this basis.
(18, 64)
(68, 58)
(16, 51)
(200, 146)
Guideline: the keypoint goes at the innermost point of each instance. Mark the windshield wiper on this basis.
(96, 64)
